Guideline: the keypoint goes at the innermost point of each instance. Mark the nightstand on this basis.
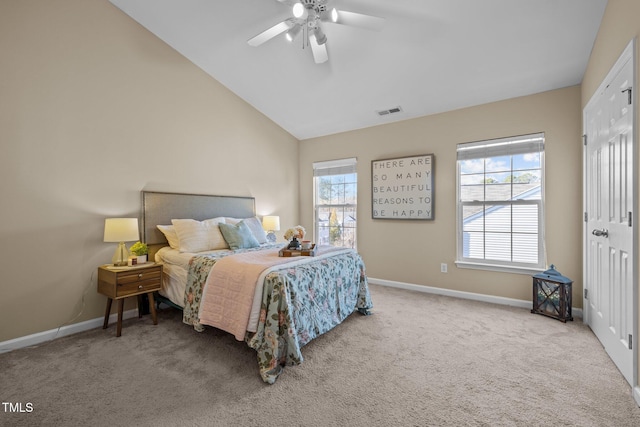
(121, 282)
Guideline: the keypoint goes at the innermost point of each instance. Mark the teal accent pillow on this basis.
(238, 236)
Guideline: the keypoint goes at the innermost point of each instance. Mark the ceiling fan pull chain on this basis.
(304, 34)
(306, 27)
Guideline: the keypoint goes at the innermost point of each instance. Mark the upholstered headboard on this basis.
(160, 208)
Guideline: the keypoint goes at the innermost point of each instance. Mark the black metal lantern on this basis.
(552, 295)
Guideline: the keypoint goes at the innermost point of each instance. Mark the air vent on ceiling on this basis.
(389, 111)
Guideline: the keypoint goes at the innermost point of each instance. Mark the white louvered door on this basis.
(609, 265)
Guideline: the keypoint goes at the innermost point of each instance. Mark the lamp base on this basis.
(271, 237)
(120, 256)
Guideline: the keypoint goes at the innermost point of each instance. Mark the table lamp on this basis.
(271, 223)
(120, 230)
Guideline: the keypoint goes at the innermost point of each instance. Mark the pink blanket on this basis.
(228, 293)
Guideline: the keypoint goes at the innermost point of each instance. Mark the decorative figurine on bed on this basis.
(293, 234)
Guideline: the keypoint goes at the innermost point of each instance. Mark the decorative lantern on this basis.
(552, 295)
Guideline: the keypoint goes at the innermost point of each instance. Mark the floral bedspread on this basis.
(299, 303)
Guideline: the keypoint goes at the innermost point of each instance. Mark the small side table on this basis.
(121, 282)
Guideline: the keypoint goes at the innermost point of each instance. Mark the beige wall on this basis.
(412, 251)
(93, 109)
(620, 24)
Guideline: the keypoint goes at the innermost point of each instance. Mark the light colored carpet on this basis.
(419, 360)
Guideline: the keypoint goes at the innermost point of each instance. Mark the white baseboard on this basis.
(636, 395)
(41, 337)
(577, 312)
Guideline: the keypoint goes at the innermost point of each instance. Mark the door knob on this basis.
(604, 232)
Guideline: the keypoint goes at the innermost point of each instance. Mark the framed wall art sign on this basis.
(402, 188)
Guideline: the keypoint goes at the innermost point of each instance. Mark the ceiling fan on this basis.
(307, 18)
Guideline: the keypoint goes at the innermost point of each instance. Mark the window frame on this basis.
(491, 149)
(335, 168)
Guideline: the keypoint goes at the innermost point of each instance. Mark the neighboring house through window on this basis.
(501, 204)
(335, 202)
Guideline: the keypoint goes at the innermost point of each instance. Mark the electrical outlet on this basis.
(443, 268)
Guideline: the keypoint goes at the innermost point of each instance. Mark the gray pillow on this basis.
(238, 236)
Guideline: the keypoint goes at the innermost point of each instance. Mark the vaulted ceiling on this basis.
(431, 56)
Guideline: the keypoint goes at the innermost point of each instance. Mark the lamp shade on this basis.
(271, 222)
(121, 229)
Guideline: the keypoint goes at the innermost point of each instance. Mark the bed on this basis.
(276, 305)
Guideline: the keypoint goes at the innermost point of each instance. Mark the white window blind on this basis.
(502, 147)
(501, 203)
(334, 167)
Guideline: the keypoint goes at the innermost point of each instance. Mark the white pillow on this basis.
(199, 236)
(170, 234)
(254, 225)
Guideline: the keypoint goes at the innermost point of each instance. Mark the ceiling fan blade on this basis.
(270, 33)
(356, 19)
(319, 51)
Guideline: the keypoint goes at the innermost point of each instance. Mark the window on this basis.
(335, 202)
(501, 204)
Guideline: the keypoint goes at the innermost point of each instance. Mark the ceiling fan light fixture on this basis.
(334, 15)
(293, 32)
(299, 11)
(320, 36)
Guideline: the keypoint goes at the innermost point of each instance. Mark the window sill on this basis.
(500, 268)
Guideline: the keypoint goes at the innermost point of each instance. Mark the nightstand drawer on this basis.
(124, 283)
(137, 281)
(134, 276)
(140, 286)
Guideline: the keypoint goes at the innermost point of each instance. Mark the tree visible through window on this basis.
(335, 188)
(500, 202)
